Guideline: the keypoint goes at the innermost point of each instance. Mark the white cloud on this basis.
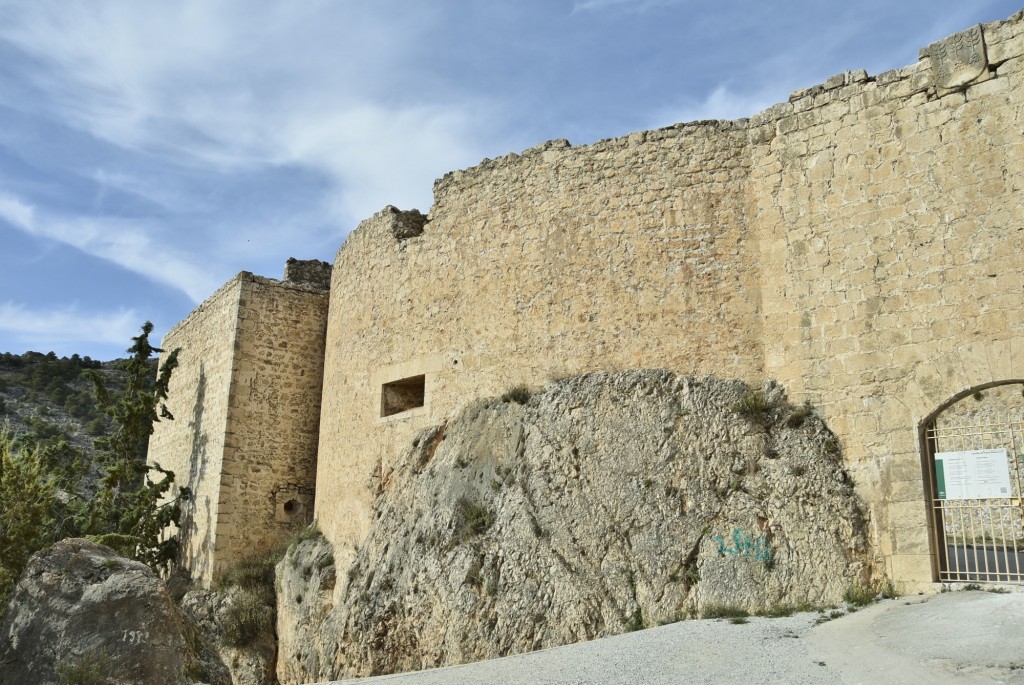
(16, 212)
(626, 5)
(156, 191)
(190, 83)
(121, 241)
(68, 325)
(721, 103)
(378, 156)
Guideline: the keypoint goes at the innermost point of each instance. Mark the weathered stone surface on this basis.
(80, 604)
(958, 59)
(859, 243)
(246, 395)
(251, 664)
(311, 272)
(306, 580)
(605, 503)
(404, 225)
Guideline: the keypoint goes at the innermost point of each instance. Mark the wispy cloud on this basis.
(158, 192)
(123, 242)
(621, 5)
(182, 82)
(68, 325)
(721, 103)
(17, 213)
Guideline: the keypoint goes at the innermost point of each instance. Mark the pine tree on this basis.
(129, 512)
(28, 497)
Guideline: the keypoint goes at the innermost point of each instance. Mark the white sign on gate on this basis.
(974, 474)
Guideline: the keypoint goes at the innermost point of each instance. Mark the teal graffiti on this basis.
(746, 546)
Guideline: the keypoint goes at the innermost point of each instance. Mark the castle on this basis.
(861, 244)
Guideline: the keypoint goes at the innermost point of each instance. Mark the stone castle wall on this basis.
(269, 470)
(246, 400)
(892, 224)
(628, 253)
(192, 445)
(859, 243)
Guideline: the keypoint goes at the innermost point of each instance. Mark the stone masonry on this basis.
(860, 243)
(246, 399)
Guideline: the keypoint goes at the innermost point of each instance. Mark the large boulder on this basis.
(82, 611)
(604, 503)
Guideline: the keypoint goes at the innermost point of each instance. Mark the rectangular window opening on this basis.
(402, 395)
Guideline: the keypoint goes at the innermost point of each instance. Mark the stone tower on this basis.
(246, 398)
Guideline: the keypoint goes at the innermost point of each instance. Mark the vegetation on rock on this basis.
(52, 488)
(606, 503)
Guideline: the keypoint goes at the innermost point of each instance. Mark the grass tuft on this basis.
(520, 394)
(859, 596)
(724, 611)
(754, 406)
(472, 519)
(246, 618)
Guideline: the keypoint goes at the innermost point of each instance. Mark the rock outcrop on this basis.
(226, 619)
(601, 504)
(82, 611)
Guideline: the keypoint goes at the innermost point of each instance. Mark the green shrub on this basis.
(799, 415)
(519, 394)
(755, 407)
(723, 611)
(246, 618)
(254, 575)
(777, 611)
(472, 519)
(28, 494)
(859, 595)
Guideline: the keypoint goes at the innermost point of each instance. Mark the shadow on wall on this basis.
(198, 459)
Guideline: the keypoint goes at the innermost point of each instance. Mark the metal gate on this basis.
(976, 469)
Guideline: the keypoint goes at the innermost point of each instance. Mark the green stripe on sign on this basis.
(940, 479)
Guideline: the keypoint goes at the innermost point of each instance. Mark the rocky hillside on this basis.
(52, 397)
(602, 504)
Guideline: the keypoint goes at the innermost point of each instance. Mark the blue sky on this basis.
(151, 150)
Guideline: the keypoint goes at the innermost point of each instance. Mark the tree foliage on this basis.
(28, 498)
(48, 493)
(129, 511)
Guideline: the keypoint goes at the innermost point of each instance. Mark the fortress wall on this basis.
(891, 224)
(860, 243)
(193, 444)
(273, 421)
(632, 252)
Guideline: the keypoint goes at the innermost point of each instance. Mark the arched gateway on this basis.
(973, 462)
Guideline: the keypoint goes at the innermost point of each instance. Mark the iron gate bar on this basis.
(979, 539)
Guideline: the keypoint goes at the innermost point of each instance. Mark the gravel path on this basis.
(962, 637)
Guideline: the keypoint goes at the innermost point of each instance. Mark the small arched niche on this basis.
(973, 465)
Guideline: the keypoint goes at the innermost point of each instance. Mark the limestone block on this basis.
(975, 363)
(908, 514)
(914, 540)
(995, 85)
(911, 569)
(911, 491)
(1001, 51)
